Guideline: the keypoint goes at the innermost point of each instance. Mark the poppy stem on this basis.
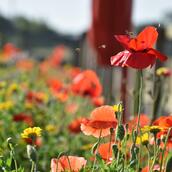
(99, 139)
(139, 99)
(138, 108)
(165, 145)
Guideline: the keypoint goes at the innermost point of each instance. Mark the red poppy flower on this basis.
(37, 97)
(105, 151)
(75, 126)
(87, 83)
(21, 117)
(67, 163)
(74, 71)
(9, 50)
(55, 85)
(100, 122)
(144, 120)
(139, 52)
(164, 122)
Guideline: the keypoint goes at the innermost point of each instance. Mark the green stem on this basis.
(99, 139)
(32, 167)
(165, 145)
(139, 100)
(148, 157)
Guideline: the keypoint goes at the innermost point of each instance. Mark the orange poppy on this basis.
(74, 71)
(36, 97)
(9, 50)
(68, 163)
(87, 83)
(55, 85)
(144, 120)
(105, 151)
(100, 122)
(164, 122)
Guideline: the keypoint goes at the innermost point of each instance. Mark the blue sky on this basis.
(74, 16)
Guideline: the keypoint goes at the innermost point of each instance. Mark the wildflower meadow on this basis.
(54, 117)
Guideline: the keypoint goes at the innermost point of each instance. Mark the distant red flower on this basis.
(144, 120)
(57, 56)
(22, 117)
(37, 142)
(87, 83)
(36, 97)
(100, 122)
(165, 122)
(62, 96)
(71, 108)
(75, 125)
(9, 49)
(139, 52)
(98, 101)
(55, 85)
(68, 163)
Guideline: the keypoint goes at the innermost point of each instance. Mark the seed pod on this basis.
(120, 132)
(115, 150)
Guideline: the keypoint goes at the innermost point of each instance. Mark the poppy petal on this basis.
(140, 60)
(123, 39)
(103, 113)
(146, 39)
(120, 58)
(157, 54)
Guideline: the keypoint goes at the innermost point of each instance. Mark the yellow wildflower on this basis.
(3, 84)
(51, 128)
(11, 89)
(6, 105)
(31, 133)
(163, 71)
(153, 129)
(143, 139)
(118, 108)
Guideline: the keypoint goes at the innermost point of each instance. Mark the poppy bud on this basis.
(134, 135)
(31, 153)
(120, 132)
(115, 150)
